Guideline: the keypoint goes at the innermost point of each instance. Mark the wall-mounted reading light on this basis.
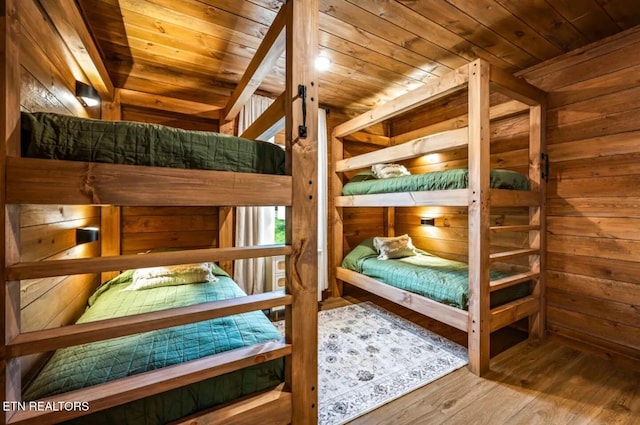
(427, 221)
(87, 234)
(86, 94)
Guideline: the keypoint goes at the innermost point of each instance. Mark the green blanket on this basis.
(54, 136)
(439, 279)
(437, 180)
(90, 364)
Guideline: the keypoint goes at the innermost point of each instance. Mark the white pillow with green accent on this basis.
(182, 274)
(385, 171)
(394, 247)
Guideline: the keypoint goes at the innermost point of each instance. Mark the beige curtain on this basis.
(254, 225)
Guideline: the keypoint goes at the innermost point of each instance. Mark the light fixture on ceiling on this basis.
(322, 63)
(87, 95)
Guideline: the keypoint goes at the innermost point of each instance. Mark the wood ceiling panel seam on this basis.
(586, 16)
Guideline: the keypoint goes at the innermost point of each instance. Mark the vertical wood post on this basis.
(110, 216)
(479, 210)
(10, 137)
(336, 227)
(389, 218)
(537, 114)
(301, 373)
(226, 224)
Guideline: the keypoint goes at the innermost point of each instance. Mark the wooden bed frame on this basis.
(34, 181)
(479, 77)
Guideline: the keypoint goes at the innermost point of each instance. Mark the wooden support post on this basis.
(226, 223)
(10, 234)
(389, 217)
(301, 373)
(110, 215)
(537, 216)
(479, 210)
(336, 227)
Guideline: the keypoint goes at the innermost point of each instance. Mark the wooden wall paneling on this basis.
(592, 248)
(168, 104)
(10, 387)
(171, 119)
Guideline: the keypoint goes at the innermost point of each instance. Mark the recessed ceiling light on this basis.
(322, 63)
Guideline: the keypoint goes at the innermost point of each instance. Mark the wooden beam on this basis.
(169, 104)
(371, 139)
(67, 19)
(269, 123)
(432, 90)
(134, 387)
(10, 387)
(112, 111)
(301, 329)
(453, 198)
(336, 224)
(479, 217)
(516, 88)
(452, 316)
(84, 333)
(225, 234)
(48, 181)
(503, 110)
(509, 313)
(270, 408)
(271, 48)
(37, 269)
(438, 142)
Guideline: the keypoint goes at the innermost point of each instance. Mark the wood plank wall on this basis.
(171, 119)
(593, 219)
(48, 75)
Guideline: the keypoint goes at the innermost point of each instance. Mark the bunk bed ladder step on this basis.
(505, 282)
(518, 228)
(513, 311)
(505, 255)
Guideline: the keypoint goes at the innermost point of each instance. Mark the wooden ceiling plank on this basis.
(171, 104)
(68, 21)
(419, 25)
(494, 16)
(623, 12)
(269, 123)
(586, 16)
(270, 50)
(370, 23)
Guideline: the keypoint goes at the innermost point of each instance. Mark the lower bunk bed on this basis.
(433, 286)
(154, 289)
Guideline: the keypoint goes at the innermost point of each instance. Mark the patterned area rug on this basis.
(368, 356)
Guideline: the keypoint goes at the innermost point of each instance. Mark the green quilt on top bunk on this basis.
(364, 183)
(439, 279)
(54, 136)
(99, 362)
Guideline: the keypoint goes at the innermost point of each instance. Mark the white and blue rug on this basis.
(368, 356)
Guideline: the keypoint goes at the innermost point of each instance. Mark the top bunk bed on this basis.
(43, 173)
(476, 188)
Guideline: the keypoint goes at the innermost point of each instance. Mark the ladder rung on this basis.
(513, 254)
(505, 282)
(518, 228)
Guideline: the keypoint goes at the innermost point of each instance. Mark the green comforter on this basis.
(437, 180)
(54, 136)
(439, 279)
(90, 364)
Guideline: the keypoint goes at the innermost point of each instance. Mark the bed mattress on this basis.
(54, 136)
(442, 280)
(90, 364)
(437, 180)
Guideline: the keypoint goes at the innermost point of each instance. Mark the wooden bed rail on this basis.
(37, 269)
(134, 387)
(83, 333)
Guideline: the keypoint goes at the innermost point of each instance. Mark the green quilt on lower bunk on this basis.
(361, 184)
(90, 364)
(439, 279)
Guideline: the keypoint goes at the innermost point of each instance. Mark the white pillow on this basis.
(394, 247)
(153, 277)
(385, 171)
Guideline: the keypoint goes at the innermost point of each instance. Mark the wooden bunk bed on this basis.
(478, 78)
(58, 182)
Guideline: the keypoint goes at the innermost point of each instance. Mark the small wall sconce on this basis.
(427, 221)
(87, 95)
(87, 234)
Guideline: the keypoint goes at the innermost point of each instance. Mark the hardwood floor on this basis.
(530, 383)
